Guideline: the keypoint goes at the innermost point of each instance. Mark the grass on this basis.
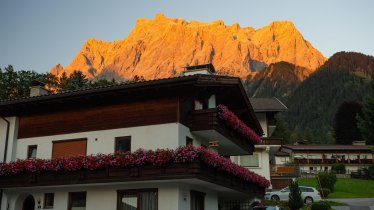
(346, 188)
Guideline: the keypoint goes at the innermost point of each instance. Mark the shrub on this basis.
(327, 180)
(324, 192)
(295, 201)
(338, 168)
(320, 206)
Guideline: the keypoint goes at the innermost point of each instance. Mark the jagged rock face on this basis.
(160, 47)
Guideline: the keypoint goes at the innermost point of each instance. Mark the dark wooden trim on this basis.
(114, 116)
(196, 170)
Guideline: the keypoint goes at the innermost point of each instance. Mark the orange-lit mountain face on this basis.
(160, 47)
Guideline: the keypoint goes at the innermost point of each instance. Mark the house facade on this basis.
(124, 146)
(259, 162)
(311, 159)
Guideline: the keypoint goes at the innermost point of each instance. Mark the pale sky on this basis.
(38, 34)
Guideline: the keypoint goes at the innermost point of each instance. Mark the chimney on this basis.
(37, 88)
(199, 69)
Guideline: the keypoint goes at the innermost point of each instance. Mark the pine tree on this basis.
(345, 123)
(366, 121)
(295, 201)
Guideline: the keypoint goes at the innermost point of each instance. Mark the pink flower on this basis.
(160, 157)
(231, 120)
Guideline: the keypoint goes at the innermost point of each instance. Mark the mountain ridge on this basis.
(159, 47)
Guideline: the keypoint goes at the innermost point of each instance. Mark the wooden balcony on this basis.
(197, 170)
(271, 141)
(205, 123)
(284, 171)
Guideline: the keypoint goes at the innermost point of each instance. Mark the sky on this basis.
(37, 35)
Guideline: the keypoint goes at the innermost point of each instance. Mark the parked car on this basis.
(308, 194)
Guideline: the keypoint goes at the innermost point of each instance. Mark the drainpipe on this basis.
(6, 138)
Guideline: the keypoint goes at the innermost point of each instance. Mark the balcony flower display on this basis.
(159, 158)
(231, 120)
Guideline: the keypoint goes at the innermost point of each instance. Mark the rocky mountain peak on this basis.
(160, 47)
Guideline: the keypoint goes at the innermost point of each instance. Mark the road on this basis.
(355, 203)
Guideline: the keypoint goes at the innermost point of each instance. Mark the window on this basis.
(123, 144)
(143, 199)
(250, 160)
(31, 151)
(49, 200)
(197, 200)
(68, 148)
(189, 141)
(77, 200)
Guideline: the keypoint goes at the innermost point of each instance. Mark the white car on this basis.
(308, 194)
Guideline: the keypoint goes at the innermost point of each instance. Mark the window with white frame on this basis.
(250, 160)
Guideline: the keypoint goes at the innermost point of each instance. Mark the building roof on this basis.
(267, 105)
(227, 86)
(327, 147)
(281, 153)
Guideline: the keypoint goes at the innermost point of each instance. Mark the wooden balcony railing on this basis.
(284, 171)
(197, 170)
(207, 120)
(271, 141)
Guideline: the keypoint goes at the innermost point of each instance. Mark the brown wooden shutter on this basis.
(68, 148)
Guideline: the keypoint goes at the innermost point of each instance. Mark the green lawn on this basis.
(346, 188)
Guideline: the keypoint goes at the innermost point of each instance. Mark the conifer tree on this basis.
(366, 121)
(295, 201)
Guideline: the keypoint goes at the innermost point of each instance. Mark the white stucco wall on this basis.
(171, 196)
(261, 116)
(12, 138)
(263, 169)
(169, 135)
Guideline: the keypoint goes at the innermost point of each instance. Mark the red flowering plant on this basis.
(159, 157)
(231, 120)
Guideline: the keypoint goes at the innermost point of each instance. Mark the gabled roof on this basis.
(327, 147)
(267, 105)
(132, 91)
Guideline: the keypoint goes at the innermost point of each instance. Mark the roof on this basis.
(122, 92)
(267, 105)
(327, 147)
(281, 153)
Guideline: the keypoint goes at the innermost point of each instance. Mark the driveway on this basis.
(355, 203)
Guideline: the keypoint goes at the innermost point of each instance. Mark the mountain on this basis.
(314, 102)
(277, 80)
(160, 47)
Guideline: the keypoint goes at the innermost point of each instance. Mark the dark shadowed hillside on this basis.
(315, 101)
(279, 80)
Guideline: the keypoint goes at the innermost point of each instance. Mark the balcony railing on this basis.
(207, 120)
(196, 170)
(284, 171)
(271, 141)
(332, 161)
